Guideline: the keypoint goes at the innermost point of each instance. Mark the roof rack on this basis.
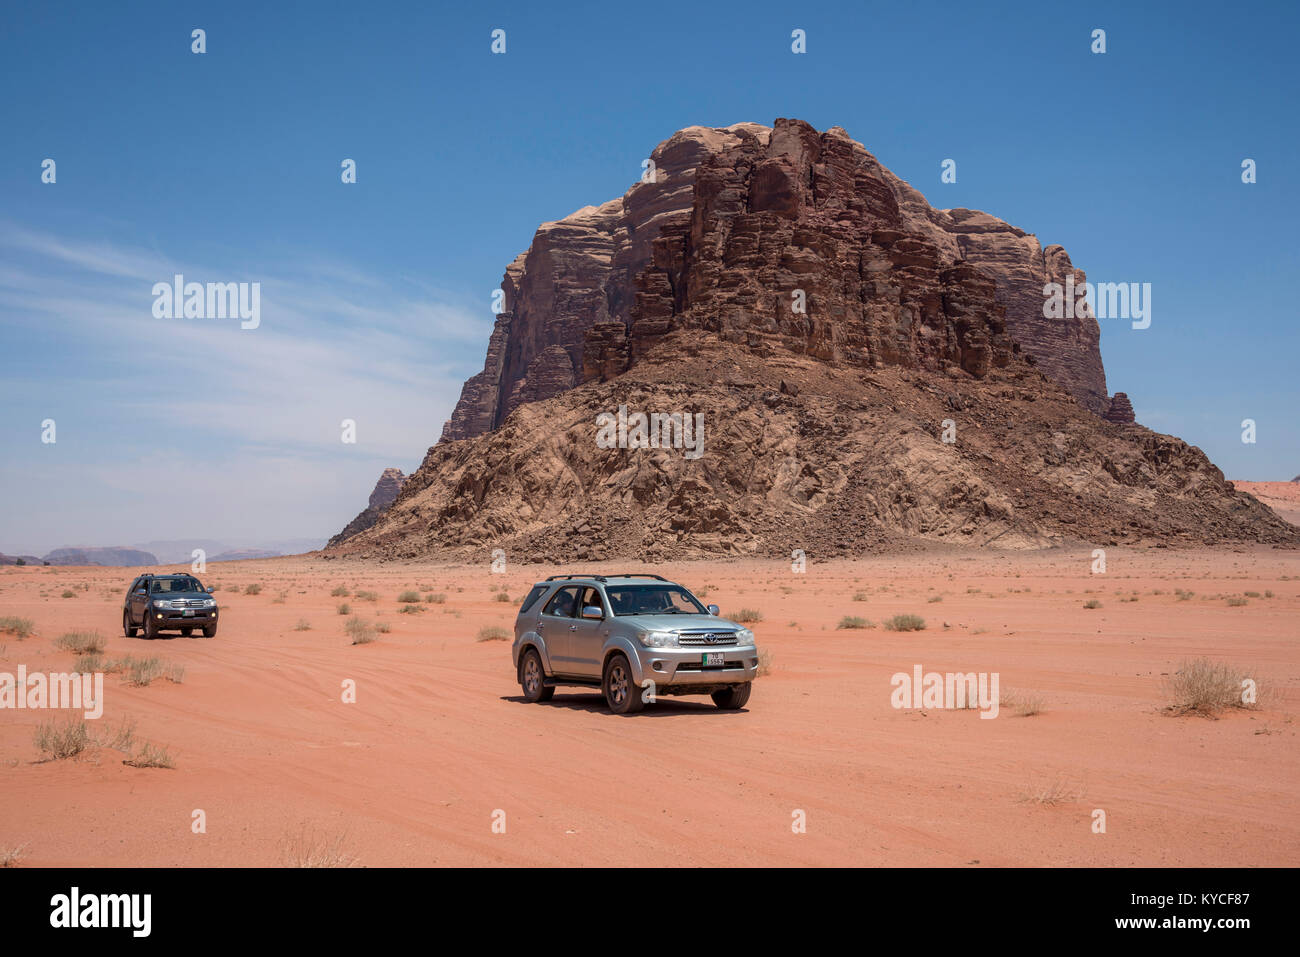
(601, 578)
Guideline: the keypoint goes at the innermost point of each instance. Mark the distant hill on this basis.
(25, 559)
(117, 555)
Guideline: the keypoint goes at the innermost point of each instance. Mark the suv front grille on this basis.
(707, 638)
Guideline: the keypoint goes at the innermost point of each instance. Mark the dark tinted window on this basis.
(564, 604)
(652, 600)
(160, 586)
(531, 598)
(591, 597)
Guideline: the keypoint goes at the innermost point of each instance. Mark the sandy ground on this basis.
(1282, 497)
(439, 739)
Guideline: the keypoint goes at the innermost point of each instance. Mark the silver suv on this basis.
(633, 636)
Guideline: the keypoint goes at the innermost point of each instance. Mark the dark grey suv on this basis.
(633, 636)
(156, 603)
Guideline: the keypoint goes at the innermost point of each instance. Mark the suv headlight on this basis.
(744, 637)
(209, 603)
(165, 605)
(657, 639)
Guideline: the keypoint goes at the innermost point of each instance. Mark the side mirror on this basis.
(209, 589)
(713, 610)
(591, 611)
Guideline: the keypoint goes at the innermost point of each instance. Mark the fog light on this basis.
(159, 617)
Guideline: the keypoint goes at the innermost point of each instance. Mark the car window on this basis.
(591, 596)
(652, 600)
(564, 604)
(531, 598)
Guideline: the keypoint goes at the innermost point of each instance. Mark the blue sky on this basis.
(225, 167)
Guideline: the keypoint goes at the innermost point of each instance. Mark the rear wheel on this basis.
(621, 693)
(128, 629)
(733, 698)
(532, 679)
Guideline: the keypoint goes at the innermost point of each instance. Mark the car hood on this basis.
(679, 622)
(172, 595)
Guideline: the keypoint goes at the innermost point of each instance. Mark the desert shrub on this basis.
(80, 642)
(18, 627)
(303, 625)
(367, 596)
(151, 756)
(62, 739)
(409, 597)
(905, 623)
(493, 633)
(253, 590)
(340, 591)
(359, 631)
(68, 593)
(383, 627)
(437, 598)
(859, 596)
(1236, 601)
(11, 855)
(934, 598)
(1092, 603)
(1203, 686)
(344, 608)
(747, 615)
(852, 621)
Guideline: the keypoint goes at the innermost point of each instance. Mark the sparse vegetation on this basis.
(492, 633)
(437, 598)
(151, 756)
(1236, 601)
(68, 593)
(340, 591)
(303, 625)
(367, 595)
(853, 621)
(253, 590)
(764, 663)
(383, 627)
(344, 608)
(409, 597)
(20, 628)
(746, 615)
(1092, 603)
(309, 848)
(1023, 703)
(1202, 686)
(859, 596)
(934, 598)
(905, 623)
(142, 672)
(10, 856)
(1056, 791)
(359, 631)
(410, 609)
(80, 643)
(62, 739)
(502, 596)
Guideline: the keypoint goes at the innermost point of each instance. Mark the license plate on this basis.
(713, 659)
(189, 613)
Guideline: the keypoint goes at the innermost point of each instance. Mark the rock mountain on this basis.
(871, 372)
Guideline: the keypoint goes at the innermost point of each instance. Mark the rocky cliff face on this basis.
(1120, 409)
(384, 495)
(735, 221)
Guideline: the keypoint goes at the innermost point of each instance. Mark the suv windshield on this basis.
(652, 600)
(159, 586)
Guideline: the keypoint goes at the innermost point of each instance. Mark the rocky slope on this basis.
(101, 556)
(917, 396)
(384, 494)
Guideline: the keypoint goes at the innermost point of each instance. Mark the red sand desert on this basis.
(439, 740)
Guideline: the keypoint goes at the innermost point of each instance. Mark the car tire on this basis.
(621, 692)
(732, 698)
(186, 632)
(150, 628)
(128, 629)
(209, 631)
(532, 678)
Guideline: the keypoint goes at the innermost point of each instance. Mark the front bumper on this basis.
(182, 618)
(685, 666)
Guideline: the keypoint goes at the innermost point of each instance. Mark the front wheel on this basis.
(621, 693)
(733, 698)
(150, 625)
(532, 679)
(209, 631)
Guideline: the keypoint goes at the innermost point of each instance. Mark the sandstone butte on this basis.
(919, 395)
